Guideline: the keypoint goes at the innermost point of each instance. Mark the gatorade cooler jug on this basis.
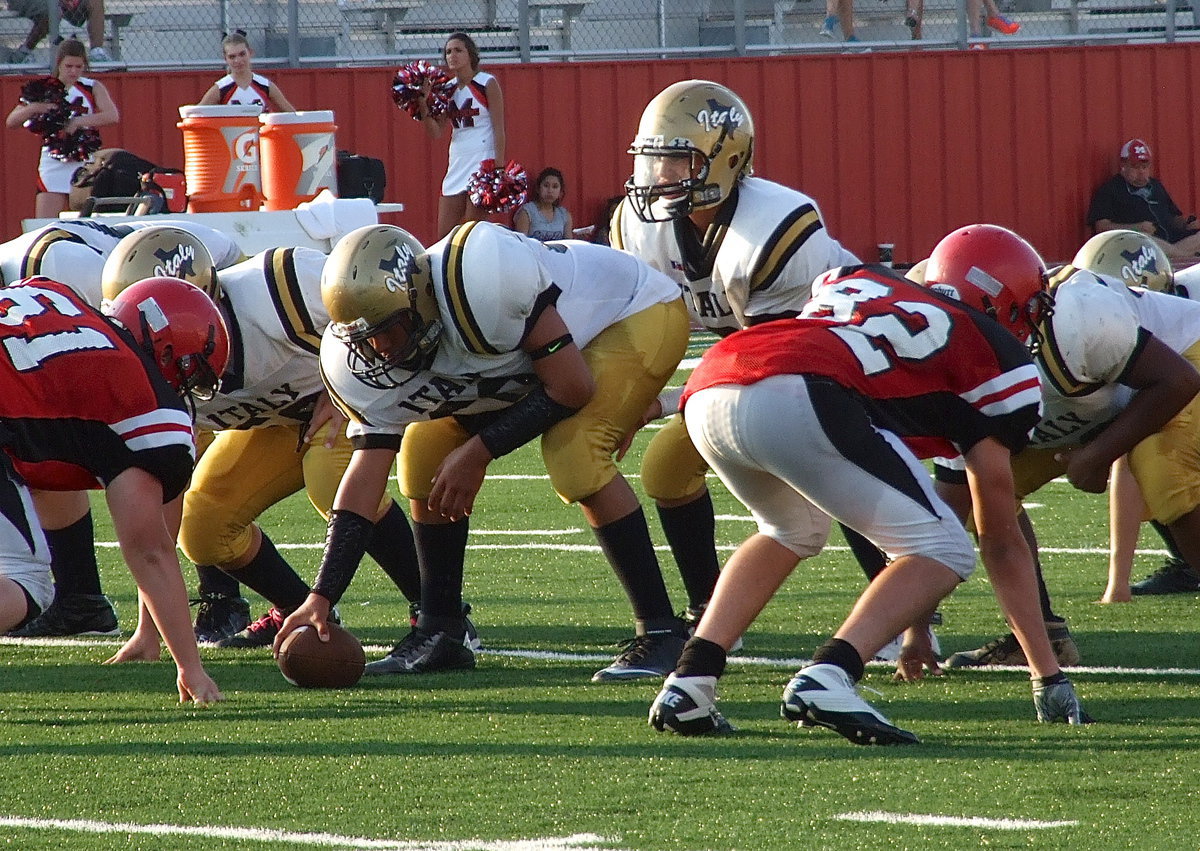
(298, 155)
(220, 157)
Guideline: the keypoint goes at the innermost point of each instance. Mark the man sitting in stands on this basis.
(1133, 200)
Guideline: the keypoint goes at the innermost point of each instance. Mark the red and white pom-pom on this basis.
(47, 90)
(410, 81)
(77, 147)
(498, 190)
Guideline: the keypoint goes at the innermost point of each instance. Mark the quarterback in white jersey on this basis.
(469, 350)
(744, 250)
(74, 251)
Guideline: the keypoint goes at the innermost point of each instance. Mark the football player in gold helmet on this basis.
(744, 250)
(472, 348)
(1138, 260)
(269, 432)
(161, 250)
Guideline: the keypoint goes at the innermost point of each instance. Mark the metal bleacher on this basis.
(183, 33)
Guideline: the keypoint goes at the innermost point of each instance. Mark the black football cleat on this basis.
(218, 616)
(648, 656)
(422, 652)
(1174, 577)
(72, 614)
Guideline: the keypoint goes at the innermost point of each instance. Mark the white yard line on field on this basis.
(954, 821)
(792, 663)
(577, 842)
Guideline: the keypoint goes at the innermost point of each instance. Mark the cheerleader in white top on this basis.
(476, 116)
(241, 85)
(54, 175)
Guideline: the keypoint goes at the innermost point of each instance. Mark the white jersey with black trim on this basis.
(1097, 329)
(491, 284)
(758, 258)
(272, 306)
(73, 251)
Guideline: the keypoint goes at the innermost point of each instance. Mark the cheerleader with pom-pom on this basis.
(64, 109)
(474, 109)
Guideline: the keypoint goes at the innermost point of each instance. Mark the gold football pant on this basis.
(241, 473)
(630, 362)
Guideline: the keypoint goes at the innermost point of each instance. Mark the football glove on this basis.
(1054, 699)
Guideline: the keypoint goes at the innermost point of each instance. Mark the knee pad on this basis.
(672, 468)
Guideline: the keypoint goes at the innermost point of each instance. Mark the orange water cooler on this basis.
(298, 153)
(220, 157)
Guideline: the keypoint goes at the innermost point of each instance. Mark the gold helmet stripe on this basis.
(788, 238)
(454, 288)
(284, 286)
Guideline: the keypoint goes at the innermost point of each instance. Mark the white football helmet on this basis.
(694, 143)
(377, 282)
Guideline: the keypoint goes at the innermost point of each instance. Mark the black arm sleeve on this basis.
(345, 544)
(525, 420)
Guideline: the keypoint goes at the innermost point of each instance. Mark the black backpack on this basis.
(360, 177)
(112, 172)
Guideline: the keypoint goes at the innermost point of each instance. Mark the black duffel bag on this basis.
(360, 177)
(112, 172)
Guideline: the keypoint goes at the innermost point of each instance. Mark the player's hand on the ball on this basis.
(197, 687)
(1056, 701)
(314, 612)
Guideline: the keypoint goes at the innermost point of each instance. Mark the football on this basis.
(307, 661)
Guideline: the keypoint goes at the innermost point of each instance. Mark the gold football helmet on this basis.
(1129, 256)
(694, 143)
(377, 279)
(159, 251)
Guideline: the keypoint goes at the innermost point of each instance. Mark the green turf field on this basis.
(526, 753)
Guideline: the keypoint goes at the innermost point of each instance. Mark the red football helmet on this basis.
(994, 270)
(181, 330)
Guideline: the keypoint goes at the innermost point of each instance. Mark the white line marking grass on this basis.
(576, 842)
(953, 821)
(794, 663)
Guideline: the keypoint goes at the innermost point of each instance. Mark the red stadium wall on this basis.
(896, 147)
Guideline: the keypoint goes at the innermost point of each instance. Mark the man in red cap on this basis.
(1133, 200)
